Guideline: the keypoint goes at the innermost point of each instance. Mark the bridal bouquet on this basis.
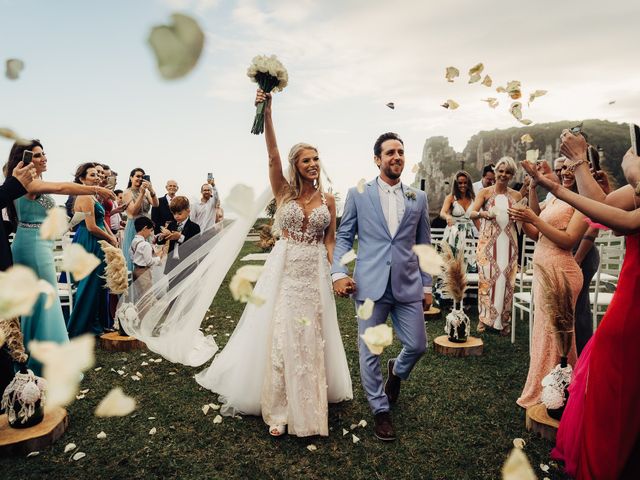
(271, 76)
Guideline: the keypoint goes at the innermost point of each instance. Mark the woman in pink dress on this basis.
(599, 435)
(557, 229)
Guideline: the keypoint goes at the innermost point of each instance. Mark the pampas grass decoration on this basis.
(116, 269)
(455, 278)
(558, 302)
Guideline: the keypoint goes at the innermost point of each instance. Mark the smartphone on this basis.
(594, 158)
(634, 131)
(146, 178)
(27, 156)
(210, 176)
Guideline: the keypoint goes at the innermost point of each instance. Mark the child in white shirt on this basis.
(143, 256)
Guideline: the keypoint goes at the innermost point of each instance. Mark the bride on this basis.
(285, 360)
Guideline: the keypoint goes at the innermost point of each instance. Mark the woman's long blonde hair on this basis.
(295, 179)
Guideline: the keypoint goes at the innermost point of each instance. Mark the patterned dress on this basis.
(130, 230)
(544, 351)
(497, 260)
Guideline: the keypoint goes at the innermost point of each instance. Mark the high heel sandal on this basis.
(277, 430)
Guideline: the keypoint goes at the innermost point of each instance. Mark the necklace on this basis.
(308, 201)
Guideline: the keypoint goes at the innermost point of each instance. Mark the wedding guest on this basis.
(143, 256)
(488, 178)
(557, 230)
(610, 362)
(205, 212)
(29, 249)
(139, 198)
(90, 309)
(180, 230)
(161, 215)
(456, 209)
(497, 254)
(216, 197)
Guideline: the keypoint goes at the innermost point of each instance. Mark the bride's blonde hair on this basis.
(295, 179)
(294, 188)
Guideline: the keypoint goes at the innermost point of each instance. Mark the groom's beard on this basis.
(391, 174)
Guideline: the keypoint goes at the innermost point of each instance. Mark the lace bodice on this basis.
(297, 226)
(146, 206)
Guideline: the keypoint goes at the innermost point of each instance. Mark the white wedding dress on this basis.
(285, 359)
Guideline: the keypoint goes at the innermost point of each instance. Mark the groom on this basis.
(389, 219)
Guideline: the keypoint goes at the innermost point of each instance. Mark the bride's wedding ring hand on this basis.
(344, 287)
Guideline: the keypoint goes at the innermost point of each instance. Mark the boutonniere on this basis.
(411, 195)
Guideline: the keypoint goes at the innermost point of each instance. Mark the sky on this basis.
(91, 90)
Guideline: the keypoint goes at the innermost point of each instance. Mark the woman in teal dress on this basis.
(30, 250)
(139, 198)
(90, 299)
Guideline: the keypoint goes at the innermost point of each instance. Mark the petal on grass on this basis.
(217, 419)
(312, 447)
(354, 439)
(101, 436)
(517, 467)
(519, 443)
(69, 446)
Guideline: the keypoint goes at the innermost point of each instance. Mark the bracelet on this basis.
(571, 166)
(590, 238)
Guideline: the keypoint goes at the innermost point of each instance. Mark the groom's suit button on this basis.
(388, 263)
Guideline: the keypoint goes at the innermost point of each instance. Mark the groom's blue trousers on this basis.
(408, 325)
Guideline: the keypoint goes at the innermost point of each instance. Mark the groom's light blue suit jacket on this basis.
(381, 257)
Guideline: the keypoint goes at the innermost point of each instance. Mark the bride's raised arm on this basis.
(276, 177)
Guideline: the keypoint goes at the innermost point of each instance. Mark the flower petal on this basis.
(78, 456)
(526, 138)
(177, 46)
(451, 73)
(354, 439)
(13, 68)
(153, 431)
(101, 436)
(217, 419)
(78, 261)
(361, 184)
(241, 200)
(519, 443)
(517, 467)
(366, 309)
(115, 404)
(378, 337)
(312, 447)
(69, 446)
(348, 257)
(430, 261)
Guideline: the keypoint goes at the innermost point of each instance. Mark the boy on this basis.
(179, 231)
(143, 256)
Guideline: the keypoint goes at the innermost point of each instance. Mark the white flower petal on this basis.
(534, 95)
(153, 431)
(354, 439)
(517, 467)
(217, 419)
(101, 436)
(532, 155)
(526, 138)
(362, 423)
(486, 81)
(519, 443)
(63, 365)
(348, 257)
(78, 456)
(78, 261)
(69, 446)
(476, 69)
(513, 89)
(361, 184)
(241, 201)
(429, 259)
(33, 454)
(19, 290)
(475, 78)
(492, 101)
(55, 225)
(451, 73)
(177, 47)
(13, 68)
(344, 432)
(214, 406)
(353, 426)
(206, 409)
(451, 104)
(516, 110)
(544, 468)
(378, 337)
(366, 309)
(312, 447)
(115, 404)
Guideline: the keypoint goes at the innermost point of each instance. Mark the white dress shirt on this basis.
(204, 214)
(142, 253)
(477, 186)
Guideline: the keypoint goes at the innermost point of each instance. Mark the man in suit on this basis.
(161, 215)
(389, 219)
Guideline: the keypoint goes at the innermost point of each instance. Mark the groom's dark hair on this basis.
(377, 147)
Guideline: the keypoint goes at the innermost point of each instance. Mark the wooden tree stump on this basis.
(20, 442)
(541, 423)
(432, 314)
(473, 347)
(114, 342)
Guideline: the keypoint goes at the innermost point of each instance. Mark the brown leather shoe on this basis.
(383, 427)
(392, 385)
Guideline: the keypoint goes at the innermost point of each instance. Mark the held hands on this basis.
(522, 214)
(105, 193)
(261, 96)
(344, 287)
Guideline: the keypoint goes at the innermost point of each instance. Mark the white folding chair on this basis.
(470, 255)
(611, 258)
(523, 289)
(65, 287)
(437, 234)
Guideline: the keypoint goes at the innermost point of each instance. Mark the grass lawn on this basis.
(456, 419)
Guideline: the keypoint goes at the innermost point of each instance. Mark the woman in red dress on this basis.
(599, 435)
